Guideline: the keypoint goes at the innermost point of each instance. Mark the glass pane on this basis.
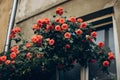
(111, 45)
(73, 74)
(94, 72)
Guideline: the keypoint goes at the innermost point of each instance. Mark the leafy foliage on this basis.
(57, 44)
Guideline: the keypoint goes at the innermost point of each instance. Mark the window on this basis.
(103, 22)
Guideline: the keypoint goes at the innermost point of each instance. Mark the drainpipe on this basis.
(11, 24)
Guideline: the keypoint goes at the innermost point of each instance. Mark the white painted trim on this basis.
(117, 53)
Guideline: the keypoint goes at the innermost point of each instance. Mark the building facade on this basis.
(103, 14)
(5, 7)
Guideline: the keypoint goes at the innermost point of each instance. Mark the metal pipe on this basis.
(11, 24)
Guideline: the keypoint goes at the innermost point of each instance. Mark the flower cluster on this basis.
(57, 43)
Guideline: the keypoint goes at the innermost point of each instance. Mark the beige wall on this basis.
(5, 6)
(26, 9)
(74, 7)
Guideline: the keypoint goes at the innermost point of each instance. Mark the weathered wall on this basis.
(117, 22)
(5, 6)
(117, 17)
(74, 7)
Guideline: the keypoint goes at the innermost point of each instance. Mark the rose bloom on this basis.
(67, 46)
(106, 63)
(79, 20)
(3, 58)
(57, 19)
(13, 61)
(72, 19)
(37, 38)
(39, 55)
(15, 49)
(49, 27)
(51, 42)
(83, 25)
(27, 45)
(67, 35)
(78, 32)
(57, 28)
(59, 10)
(7, 62)
(13, 55)
(46, 21)
(89, 38)
(100, 44)
(36, 27)
(16, 30)
(64, 26)
(12, 36)
(62, 20)
(28, 55)
(39, 21)
(94, 34)
(93, 60)
(111, 56)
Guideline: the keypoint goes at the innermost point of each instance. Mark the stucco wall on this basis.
(74, 7)
(117, 17)
(5, 6)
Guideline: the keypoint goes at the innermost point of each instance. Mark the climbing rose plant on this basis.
(59, 43)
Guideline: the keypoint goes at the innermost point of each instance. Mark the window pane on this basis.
(73, 74)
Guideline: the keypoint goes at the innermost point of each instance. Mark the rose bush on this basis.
(56, 44)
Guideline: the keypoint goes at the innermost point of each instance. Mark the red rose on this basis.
(15, 49)
(67, 46)
(13, 55)
(16, 30)
(72, 19)
(111, 56)
(93, 61)
(94, 34)
(83, 25)
(13, 61)
(36, 27)
(59, 10)
(37, 38)
(7, 62)
(57, 28)
(28, 55)
(100, 44)
(79, 20)
(51, 42)
(46, 21)
(57, 19)
(39, 55)
(106, 63)
(27, 45)
(64, 26)
(61, 20)
(12, 36)
(67, 35)
(78, 32)
(49, 27)
(39, 21)
(3, 58)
